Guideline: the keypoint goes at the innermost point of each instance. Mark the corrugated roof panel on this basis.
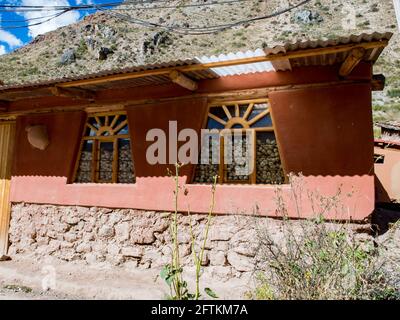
(312, 44)
(178, 63)
(280, 65)
(394, 125)
(329, 58)
(238, 69)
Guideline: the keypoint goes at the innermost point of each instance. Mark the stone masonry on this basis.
(133, 238)
(141, 239)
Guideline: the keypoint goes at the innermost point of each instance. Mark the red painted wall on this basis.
(388, 174)
(325, 131)
(157, 194)
(189, 113)
(64, 130)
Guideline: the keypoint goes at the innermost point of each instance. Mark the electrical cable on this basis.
(182, 30)
(206, 29)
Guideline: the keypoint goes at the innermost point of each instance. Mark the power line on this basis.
(64, 9)
(120, 5)
(37, 23)
(29, 8)
(28, 19)
(182, 30)
(182, 6)
(56, 7)
(204, 29)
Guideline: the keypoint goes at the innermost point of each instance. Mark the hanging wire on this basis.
(199, 30)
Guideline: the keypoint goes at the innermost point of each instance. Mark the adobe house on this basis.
(74, 173)
(387, 163)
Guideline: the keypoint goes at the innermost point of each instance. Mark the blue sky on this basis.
(11, 39)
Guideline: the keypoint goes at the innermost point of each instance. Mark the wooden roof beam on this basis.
(184, 81)
(353, 59)
(75, 93)
(283, 64)
(378, 82)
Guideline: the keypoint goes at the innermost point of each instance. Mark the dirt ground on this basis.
(25, 279)
(52, 279)
(15, 292)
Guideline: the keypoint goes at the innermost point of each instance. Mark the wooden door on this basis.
(7, 136)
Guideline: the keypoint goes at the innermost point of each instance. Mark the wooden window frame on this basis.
(98, 139)
(222, 167)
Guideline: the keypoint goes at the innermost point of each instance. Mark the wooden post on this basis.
(221, 170)
(7, 137)
(253, 176)
(115, 163)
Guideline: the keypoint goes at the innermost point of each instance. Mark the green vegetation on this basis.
(386, 112)
(29, 71)
(394, 93)
(320, 260)
(18, 288)
(82, 49)
(172, 273)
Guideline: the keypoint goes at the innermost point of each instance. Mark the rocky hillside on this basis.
(102, 41)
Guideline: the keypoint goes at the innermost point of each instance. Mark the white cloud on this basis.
(9, 39)
(63, 20)
(83, 2)
(2, 50)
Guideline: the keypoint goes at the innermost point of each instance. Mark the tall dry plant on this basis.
(172, 273)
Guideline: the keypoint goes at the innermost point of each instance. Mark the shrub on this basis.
(315, 259)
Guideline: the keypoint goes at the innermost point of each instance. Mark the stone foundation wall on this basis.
(133, 238)
(139, 242)
(141, 239)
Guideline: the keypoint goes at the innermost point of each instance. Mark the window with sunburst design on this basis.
(105, 155)
(251, 121)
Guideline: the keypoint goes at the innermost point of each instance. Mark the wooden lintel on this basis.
(213, 98)
(75, 93)
(185, 82)
(353, 59)
(204, 66)
(378, 82)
